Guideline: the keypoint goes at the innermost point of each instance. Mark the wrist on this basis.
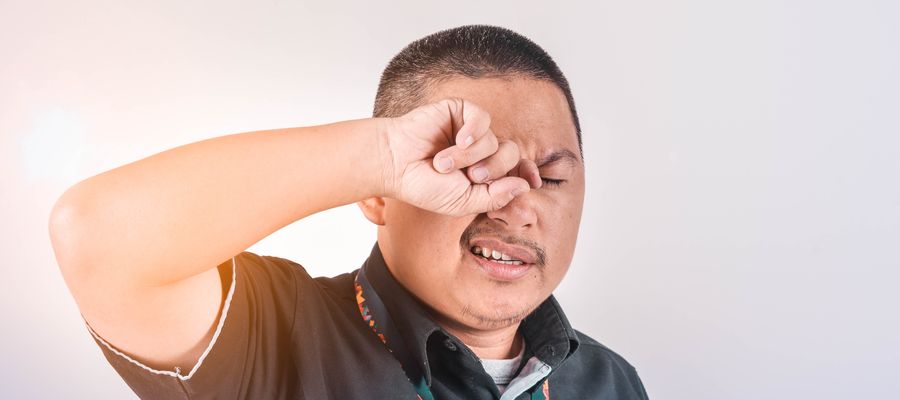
(384, 128)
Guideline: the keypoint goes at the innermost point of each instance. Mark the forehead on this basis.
(532, 112)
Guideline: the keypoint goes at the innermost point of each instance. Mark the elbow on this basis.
(65, 227)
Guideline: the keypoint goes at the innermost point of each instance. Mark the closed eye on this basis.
(552, 182)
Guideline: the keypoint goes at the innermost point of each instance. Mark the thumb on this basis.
(494, 195)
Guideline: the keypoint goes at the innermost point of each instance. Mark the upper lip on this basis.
(520, 253)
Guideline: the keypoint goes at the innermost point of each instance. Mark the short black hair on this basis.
(474, 51)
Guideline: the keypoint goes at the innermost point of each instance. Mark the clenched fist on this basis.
(443, 157)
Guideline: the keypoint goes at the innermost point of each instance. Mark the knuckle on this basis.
(513, 147)
(506, 151)
(509, 164)
(514, 154)
(466, 158)
(448, 104)
(493, 143)
(497, 203)
(478, 112)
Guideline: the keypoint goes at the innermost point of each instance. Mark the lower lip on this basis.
(501, 272)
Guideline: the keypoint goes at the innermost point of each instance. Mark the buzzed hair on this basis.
(473, 51)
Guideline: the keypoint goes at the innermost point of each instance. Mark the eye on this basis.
(552, 182)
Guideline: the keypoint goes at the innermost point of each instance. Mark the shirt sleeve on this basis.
(242, 359)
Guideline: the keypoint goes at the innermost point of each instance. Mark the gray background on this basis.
(742, 215)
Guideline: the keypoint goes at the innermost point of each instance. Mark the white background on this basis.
(742, 218)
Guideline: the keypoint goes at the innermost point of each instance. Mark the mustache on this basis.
(472, 231)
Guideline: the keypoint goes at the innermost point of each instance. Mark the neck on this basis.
(495, 344)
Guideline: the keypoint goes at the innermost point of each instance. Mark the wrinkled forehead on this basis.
(532, 112)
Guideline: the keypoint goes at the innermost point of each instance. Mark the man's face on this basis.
(431, 254)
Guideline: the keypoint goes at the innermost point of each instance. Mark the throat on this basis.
(502, 344)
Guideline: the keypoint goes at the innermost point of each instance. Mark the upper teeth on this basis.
(495, 255)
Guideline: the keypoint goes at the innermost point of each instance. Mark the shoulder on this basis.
(283, 268)
(596, 365)
(291, 278)
(599, 352)
(257, 263)
(268, 271)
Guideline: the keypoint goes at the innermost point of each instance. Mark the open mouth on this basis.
(495, 256)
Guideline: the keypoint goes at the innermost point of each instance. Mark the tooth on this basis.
(496, 255)
(476, 250)
(486, 252)
(503, 256)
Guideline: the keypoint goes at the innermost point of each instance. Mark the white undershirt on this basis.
(503, 371)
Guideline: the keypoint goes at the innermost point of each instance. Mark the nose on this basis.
(520, 214)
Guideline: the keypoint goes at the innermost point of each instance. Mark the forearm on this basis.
(180, 212)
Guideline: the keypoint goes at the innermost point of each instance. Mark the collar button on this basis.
(450, 345)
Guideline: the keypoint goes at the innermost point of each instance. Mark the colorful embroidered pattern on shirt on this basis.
(364, 311)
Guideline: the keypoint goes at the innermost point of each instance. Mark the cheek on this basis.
(422, 231)
(435, 239)
(427, 243)
(559, 227)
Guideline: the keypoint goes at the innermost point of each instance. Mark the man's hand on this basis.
(443, 157)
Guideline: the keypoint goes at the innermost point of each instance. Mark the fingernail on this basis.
(517, 191)
(444, 164)
(468, 141)
(479, 174)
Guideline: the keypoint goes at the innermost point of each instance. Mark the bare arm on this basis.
(138, 245)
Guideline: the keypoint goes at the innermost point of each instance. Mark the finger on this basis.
(497, 165)
(492, 196)
(454, 158)
(528, 170)
(476, 124)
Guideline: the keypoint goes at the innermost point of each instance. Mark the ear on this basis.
(373, 209)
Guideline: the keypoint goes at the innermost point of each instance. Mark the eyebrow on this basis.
(556, 156)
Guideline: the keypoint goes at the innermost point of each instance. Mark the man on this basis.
(472, 170)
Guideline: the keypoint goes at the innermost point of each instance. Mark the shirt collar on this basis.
(547, 332)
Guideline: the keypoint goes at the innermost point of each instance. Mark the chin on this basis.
(492, 313)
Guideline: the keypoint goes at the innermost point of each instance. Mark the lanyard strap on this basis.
(370, 305)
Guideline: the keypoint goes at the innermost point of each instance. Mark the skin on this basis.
(427, 252)
(153, 290)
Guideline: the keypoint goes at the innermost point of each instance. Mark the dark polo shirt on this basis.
(286, 335)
